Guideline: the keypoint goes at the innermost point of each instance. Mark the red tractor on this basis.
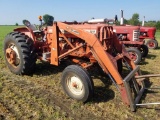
(84, 45)
(148, 34)
(129, 36)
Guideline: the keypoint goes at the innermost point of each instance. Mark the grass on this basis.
(158, 33)
(40, 95)
(3, 32)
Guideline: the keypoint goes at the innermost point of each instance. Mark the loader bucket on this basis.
(135, 84)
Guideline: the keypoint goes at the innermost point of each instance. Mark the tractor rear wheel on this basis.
(77, 83)
(19, 55)
(144, 50)
(135, 55)
(152, 44)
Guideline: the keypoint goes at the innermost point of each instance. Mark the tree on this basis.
(48, 19)
(135, 19)
(158, 25)
(125, 21)
(150, 24)
(16, 24)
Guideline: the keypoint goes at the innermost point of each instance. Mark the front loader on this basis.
(84, 45)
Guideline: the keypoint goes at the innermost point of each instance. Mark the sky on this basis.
(14, 11)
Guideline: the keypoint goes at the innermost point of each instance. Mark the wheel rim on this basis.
(142, 50)
(12, 55)
(75, 85)
(151, 44)
(133, 56)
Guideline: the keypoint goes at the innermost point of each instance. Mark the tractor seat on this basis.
(32, 27)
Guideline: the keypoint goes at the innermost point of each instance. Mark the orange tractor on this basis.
(84, 45)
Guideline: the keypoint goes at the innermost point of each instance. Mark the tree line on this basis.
(135, 21)
(48, 19)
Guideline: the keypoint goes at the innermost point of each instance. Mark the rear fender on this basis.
(27, 31)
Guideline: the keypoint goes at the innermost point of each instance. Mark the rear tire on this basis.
(77, 83)
(135, 55)
(152, 44)
(22, 47)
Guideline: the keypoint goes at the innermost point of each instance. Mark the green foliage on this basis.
(48, 19)
(16, 24)
(125, 21)
(135, 16)
(4, 30)
(135, 19)
(158, 25)
(150, 24)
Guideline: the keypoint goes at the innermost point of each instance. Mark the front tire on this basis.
(144, 50)
(152, 44)
(77, 83)
(135, 55)
(19, 55)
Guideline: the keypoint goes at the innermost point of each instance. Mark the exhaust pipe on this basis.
(122, 19)
(143, 20)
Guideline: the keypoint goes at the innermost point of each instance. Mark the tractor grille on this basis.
(136, 35)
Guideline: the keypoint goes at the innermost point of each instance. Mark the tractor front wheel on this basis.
(77, 83)
(19, 55)
(144, 50)
(135, 55)
(152, 44)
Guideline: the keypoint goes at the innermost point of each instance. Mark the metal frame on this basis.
(131, 77)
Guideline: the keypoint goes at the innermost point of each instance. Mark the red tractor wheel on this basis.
(152, 44)
(19, 55)
(135, 55)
